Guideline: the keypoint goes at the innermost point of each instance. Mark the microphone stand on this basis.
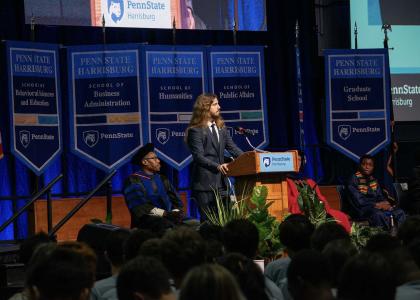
(253, 148)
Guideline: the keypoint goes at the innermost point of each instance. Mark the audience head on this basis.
(61, 274)
(247, 273)
(144, 278)
(114, 243)
(366, 165)
(83, 249)
(295, 233)
(366, 276)
(409, 230)
(414, 248)
(209, 282)
(326, 233)
(338, 252)
(241, 236)
(309, 276)
(212, 235)
(382, 243)
(403, 266)
(193, 248)
(134, 241)
(170, 254)
(28, 246)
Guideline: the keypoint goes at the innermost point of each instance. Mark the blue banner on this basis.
(237, 77)
(35, 103)
(174, 78)
(105, 111)
(358, 101)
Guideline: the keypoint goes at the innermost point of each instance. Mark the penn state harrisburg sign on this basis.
(35, 103)
(237, 78)
(174, 78)
(358, 101)
(105, 110)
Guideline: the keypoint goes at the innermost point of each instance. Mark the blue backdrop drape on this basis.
(17, 182)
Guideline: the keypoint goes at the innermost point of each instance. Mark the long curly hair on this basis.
(201, 112)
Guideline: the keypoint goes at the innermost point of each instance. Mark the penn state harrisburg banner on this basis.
(104, 103)
(174, 77)
(358, 101)
(35, 103)
(237, 78)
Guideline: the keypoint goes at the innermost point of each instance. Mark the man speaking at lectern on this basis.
(208, 139)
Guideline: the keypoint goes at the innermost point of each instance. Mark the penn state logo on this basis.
(267, 161)
(25, 138)
(162, 135)
(344, 131)
(116, 10)
(91, 138)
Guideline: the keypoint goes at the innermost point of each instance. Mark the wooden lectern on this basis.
(261, 168)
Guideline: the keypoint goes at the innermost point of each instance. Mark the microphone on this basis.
(244, 131)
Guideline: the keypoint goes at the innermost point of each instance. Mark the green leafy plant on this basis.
(311, 205)
(267, 225)
(360, 234)
(226, 211)
(255, 209)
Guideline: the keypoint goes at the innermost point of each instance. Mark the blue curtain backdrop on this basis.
(79, 177)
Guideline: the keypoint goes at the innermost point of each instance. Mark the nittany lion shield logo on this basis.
(267, 161)
(162, 135)
(25, 138)
(91, 137)
(116, 10)
(344, 131)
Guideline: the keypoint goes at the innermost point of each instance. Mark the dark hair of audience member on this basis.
(212, 235)
(309, 276)
(409, 230)
(338, 252)
(114, 243)
(192, 245)
(247, 273)
(241, 236)
(84, 249)
(61, 274)
(382, 243)
(414, 248)
(29, 245)
(209, 282)
(366, 276)
(143, 278)
(404, 267)
(170, 254)
(133, 243)
(295, 233)
(326, 233)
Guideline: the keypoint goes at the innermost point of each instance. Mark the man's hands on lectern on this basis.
(223, 168)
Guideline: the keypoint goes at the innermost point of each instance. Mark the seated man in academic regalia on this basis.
(369, 200)
(150, 197)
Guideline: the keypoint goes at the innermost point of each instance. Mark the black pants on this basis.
(207, 201)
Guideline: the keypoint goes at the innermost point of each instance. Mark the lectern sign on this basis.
(358, 101)
(276, 162)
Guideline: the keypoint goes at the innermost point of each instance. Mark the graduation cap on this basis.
(143, 151)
